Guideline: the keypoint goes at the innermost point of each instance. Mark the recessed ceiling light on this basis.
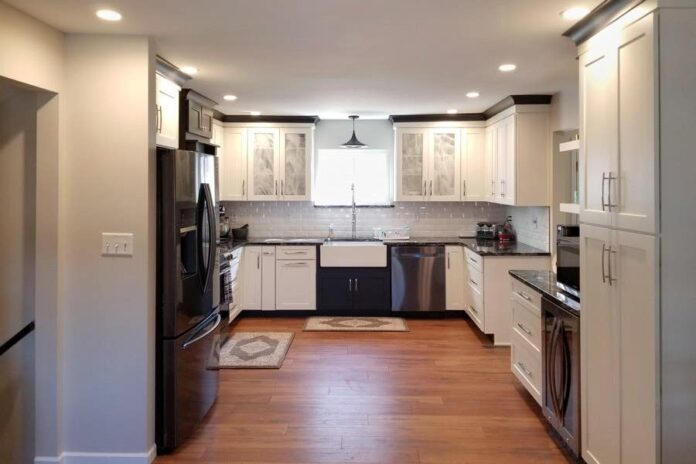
(190, 70)
(109, 15)
(507, 67)
(575, 13)
(255, 113)
(230, 98)
(472, 95)
(452, 111)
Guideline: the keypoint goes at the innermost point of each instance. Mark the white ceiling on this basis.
(369, 57)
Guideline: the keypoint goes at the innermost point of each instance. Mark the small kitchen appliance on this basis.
(486, 231)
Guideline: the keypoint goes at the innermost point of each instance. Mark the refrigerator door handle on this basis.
(16, 338)
(196, 336)
(212, 229)
(205, 200)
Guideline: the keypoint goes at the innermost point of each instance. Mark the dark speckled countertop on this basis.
(545, 282)
(481, 247)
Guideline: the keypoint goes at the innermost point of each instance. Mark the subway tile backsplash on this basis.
(302, 219)
(531, 224)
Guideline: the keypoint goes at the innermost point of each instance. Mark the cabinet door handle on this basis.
(350, 285)
(425, 188)
(524, 329)
(282, 187)
(492, 187)
(610, 205)
(431, 188)
(604, 178)
(159, 119)
(356, 285)
(463, 188)
(448, 260)
(604, 274)
(524, 369)
(258, 261)
(243, 187)
(276, 187)
(610, 277)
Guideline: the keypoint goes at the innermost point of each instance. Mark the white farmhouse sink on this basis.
(353, 254)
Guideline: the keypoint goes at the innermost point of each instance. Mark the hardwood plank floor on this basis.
(433, 395)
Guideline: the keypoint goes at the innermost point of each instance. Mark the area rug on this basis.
(255, 350)
(356, 324)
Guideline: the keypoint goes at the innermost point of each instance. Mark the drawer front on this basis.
(475, 308)
(526, 323)
(526, 365)
(475, 280)
(296, 252)
(473, 260)
(526, 294)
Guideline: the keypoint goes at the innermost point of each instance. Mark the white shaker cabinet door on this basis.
(167, 118)
(635, 187)
(444, 179)
(599, 353)
(411, 164)
(251, 278)
(474, 165)
(268, 278)
(492, 163)
(455, 283)
(295, 164)
(296, 286)
(263, 159)
(598, 144)
(233, 164)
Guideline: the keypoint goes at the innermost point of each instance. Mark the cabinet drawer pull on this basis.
(524, 329)
(473, 282)
(473, 260)
(295, 252)
(473, 309)
(525, 296)
(524, 369)
(296, 265)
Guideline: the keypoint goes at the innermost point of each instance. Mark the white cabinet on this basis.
(517, 157)
(251, 280)
(618, 161)
(525, 353)
(268, 278)
(263, 163)
(455, 283)
(294, 167)
(296, 278)
(619, 346)
(428, 164)
(473, 162)
(167, 116)
(232, 166)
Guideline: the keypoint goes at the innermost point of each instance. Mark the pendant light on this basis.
(353, 142)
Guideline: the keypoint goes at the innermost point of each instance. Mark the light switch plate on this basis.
(117, 244)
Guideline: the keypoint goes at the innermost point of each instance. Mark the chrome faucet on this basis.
(355, 221)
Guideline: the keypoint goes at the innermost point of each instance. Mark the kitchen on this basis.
(430, 263)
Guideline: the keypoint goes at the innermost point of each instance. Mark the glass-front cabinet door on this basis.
(264, 184)
(445, 172)
(295, 164)
(411, 164)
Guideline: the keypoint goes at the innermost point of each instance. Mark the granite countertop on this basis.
(480, 247)
(545, 282)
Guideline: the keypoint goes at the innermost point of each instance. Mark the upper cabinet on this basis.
(167, 112)
(266, 163)
(618, 162)
(517, 157)
(428, 164)
(195, 116)
(473, 163)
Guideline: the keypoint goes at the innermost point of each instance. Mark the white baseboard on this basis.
(70, 457)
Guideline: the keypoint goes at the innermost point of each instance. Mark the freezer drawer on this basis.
(187, 388)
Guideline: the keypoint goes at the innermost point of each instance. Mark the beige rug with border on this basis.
(355, 324)
(254, 350)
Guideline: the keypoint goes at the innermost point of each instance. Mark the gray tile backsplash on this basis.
(531, 224)
(302, 219)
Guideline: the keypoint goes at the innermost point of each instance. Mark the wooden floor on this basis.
(432, 395)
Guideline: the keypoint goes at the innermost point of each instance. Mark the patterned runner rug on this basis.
(255, 350)
(356, 324)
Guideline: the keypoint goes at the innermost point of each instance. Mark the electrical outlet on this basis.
(117, 244)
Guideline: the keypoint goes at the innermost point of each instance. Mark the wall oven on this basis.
(561, 368)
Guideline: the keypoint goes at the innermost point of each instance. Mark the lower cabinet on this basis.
(455, 280)
(526, 361)
(296, 282)
(354, 291)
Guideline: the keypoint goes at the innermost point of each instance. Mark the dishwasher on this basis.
(418, 278)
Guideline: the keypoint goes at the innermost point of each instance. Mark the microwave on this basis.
(568, 256)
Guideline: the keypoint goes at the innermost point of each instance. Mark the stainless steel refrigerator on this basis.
(188, 292)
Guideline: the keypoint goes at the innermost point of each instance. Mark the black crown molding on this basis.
(499, 107)
(599, 18)
(168, 70)
(270, 118)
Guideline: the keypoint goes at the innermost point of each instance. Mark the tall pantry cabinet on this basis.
(636, 398)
